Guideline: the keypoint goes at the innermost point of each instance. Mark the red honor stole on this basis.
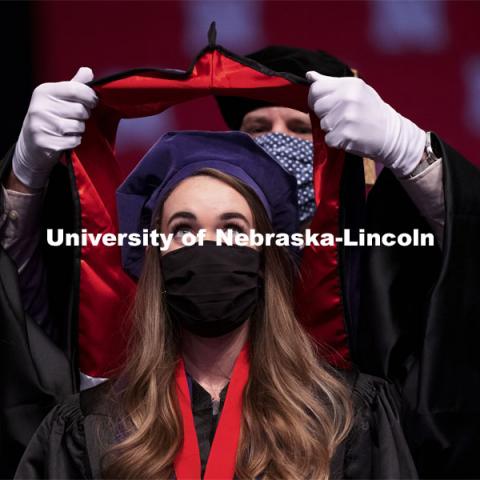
(223, 453)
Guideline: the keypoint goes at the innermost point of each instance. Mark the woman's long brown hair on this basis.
(295, 412)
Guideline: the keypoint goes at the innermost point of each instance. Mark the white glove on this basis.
(55, 122)
(357, 120)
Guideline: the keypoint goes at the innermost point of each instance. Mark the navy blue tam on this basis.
(178, 155)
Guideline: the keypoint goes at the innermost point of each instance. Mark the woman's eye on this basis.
(234, 228)
(180, 230)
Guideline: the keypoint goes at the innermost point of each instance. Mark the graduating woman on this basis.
(220, 380)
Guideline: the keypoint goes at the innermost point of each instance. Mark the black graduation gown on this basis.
(420, 324)
(37, 369)
(70, 441)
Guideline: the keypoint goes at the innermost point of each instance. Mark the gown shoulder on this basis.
(67, 444)
(376, 446)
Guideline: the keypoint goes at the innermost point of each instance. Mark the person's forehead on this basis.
(201, 192)
(277, 112)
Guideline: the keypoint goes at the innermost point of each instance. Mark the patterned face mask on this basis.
(295, 155)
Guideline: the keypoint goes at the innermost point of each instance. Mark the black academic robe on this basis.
(71, 441)
(37, 369)
(420, 324)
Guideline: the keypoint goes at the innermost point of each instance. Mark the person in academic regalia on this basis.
(220, 381)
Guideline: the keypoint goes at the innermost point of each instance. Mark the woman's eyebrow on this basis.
(231, 215)
(181, 214)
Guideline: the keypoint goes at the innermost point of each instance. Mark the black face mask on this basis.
(211, 289)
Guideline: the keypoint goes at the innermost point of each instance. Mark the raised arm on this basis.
(355, 119)
(55, 122)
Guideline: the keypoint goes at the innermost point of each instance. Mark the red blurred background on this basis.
(423, 57)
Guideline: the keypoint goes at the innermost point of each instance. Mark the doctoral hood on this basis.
(103, 291)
